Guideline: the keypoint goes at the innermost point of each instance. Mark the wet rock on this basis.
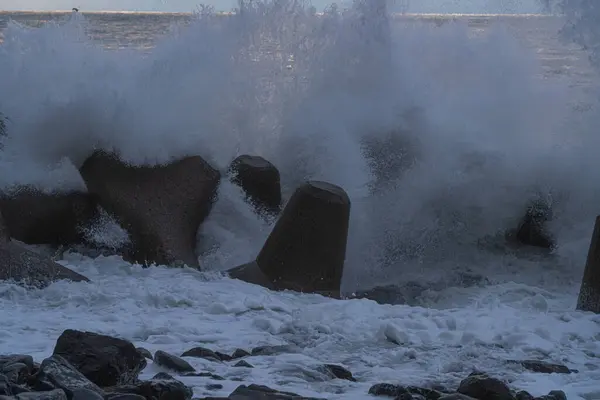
(387, 389)
(272, 350)
(145, 353)
(243, 364)
(523, 395)
(589, 293)
(553, 395)
(61, 374)
(16, 372)
(201, 352)
(163, 386)
(27, 268)
(260, 181)
(55, 394)
(239, 353)
(223, 356)
(337, 371)
(456, 396)
(252, 392)
(306, 250)
(544, 367)
(483, 387)
(204, 375)
(124, 396)
(35, 217)
(5, 387)
(160, 206)
(104, 360)
(7, 360)
(214, 386)
(404, 392)
(532, 230)
(172, 362)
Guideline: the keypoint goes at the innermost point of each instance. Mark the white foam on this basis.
(174, 310)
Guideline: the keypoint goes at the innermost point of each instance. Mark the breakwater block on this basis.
(306, 249)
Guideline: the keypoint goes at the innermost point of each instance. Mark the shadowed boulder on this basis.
(160, 206)
(35, 217)
(104, 360)
(306, 250)
(589, 294)
(260, 181)
(26, 267)
(532, 230)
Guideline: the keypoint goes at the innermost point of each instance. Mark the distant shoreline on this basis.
(184, 14)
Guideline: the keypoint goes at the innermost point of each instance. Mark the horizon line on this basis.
(190, 13)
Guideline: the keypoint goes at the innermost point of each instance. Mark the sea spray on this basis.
(483, 133)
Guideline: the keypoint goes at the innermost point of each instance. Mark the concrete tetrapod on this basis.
(306, 250)
(259, 179)
(589, 294)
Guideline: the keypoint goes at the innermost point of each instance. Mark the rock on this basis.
(17, 358)
(387, 389)
(161, 207)
(172, 362)
(56, 394)
(532, 230)
(204, 375)
(589, 293)
(124, 396)
(35, 217)
(456, 396)
(404, 392)
(164, 387)
(58, 372)
(523, 395)
(260, 181)
(201, 352)
(272, 350)
(253, 392)
(104, 360)
(339, 372)
(145, 353)
(25, 267)
(306, 250)
(544, 367)
(223, 356)
(239, 353)
(214, 386)
(5, 386)
(16, 372)
(553, 395)
(483, 387)
(243, 364)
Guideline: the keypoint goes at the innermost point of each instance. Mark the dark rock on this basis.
(589, 293)
(243, 364)
(28, 268)
(223, 356)
(62, 375)
(104, 360)
(16, 372)
(17, 358)
(160, 206)
(306, 250)
(56, 394)
(523, 395)
(17, 389)
(85, 394)
(456, 396)
(35, 217)
(387, 389)
(427, 394)
(544, 367)
(124, 396)
(204, 375)
(5, 387)
(260, 180)
(201, 352)
(145, 353)
(239, 353)
(172, 362)
(483, 387)
(553, 395)
(253, 392)
(271, 350)
(532, 230)
(214, 386)
(339, 372)
(164, 387)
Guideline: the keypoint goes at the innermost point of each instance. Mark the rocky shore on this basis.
(88, 366)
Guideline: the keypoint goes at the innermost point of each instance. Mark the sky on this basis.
(431, 6)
